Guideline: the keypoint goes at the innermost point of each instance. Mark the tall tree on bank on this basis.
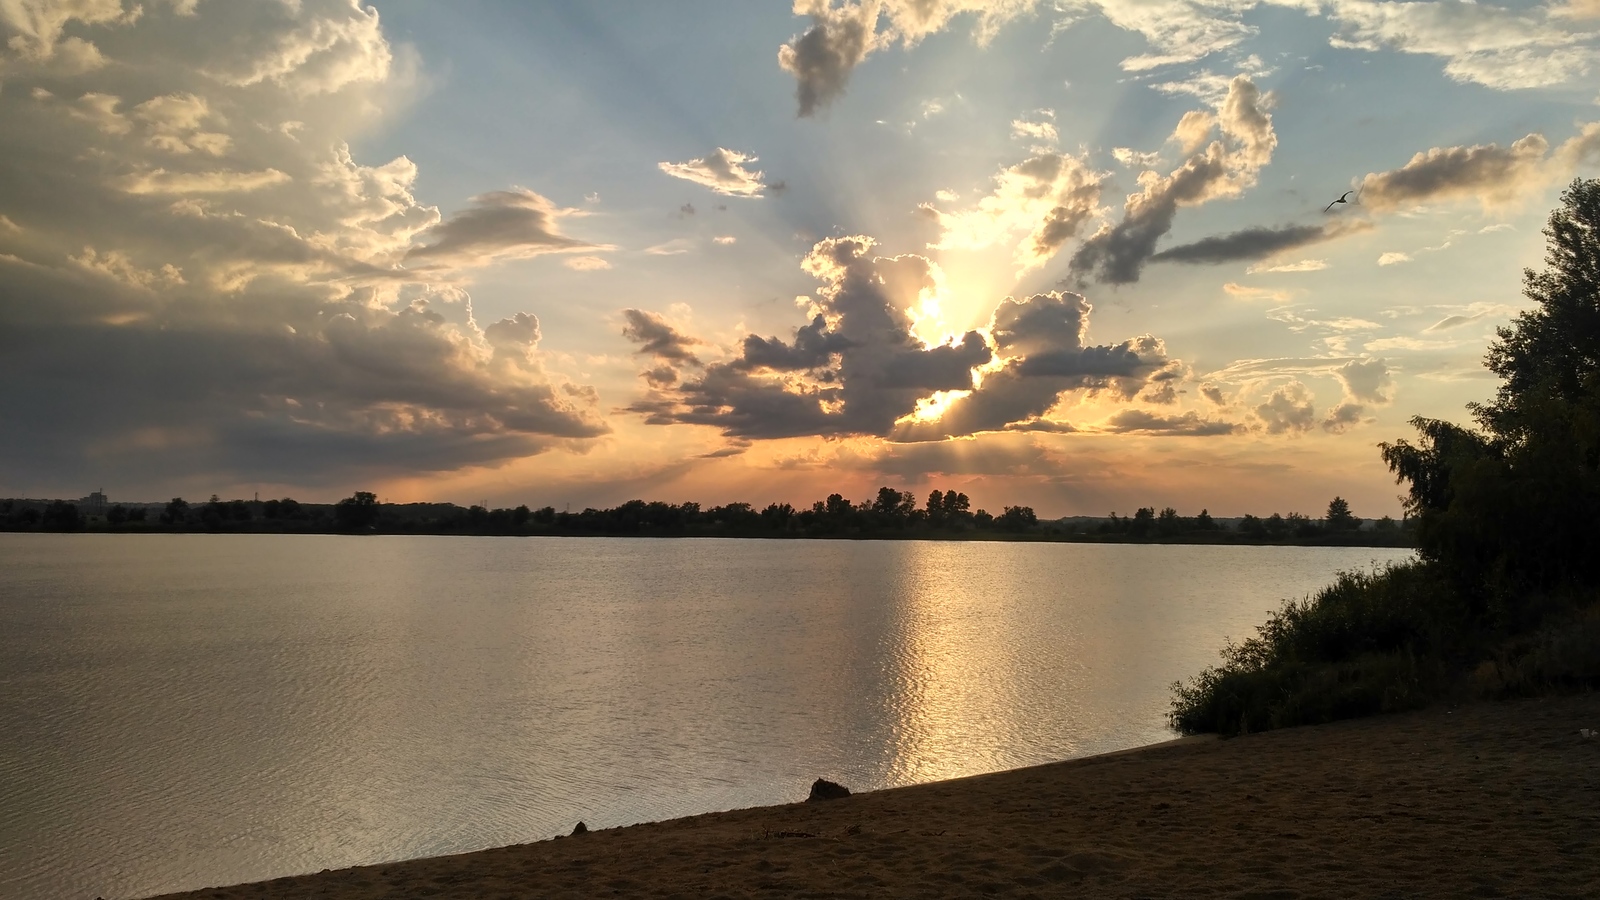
(1514, 504)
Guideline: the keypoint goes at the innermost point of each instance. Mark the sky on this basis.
(1076, 255)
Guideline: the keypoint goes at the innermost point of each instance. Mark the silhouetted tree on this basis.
(176, 513)
(61, 516)
(117, 515)
(360, 510)
(1339, 518)
(1536, 455)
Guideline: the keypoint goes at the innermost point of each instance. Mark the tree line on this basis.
(891, 513)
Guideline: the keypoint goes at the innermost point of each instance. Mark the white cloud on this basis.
(1394, 257)
(1048, 198)
(722, 171)
(724, 240)
(586, 263)
(1304, 265)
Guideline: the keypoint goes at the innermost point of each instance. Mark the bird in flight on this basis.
(1340, 200)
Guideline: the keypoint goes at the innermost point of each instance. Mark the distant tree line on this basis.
(891, 513)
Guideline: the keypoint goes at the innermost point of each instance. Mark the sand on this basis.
(1488, 800)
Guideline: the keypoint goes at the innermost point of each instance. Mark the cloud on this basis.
(1254, 244)
(240, 298)
(1491, 174)
(722, 170)
(856, 368)
(1489, 45)
(724, 240)
(1367, 380)
(841, 36)
(657, 337)
(1393, 258)
(586, 263)
(1246, 292)
(1116, 254)
(1190, 424)
(1176, 31)
(1044, 352)
(1288, 410)
(1343, 417)
(1043, 133)
(1048, 198)
(1304, 265)
(515, 224)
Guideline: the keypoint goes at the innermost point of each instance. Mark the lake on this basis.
(181, 711)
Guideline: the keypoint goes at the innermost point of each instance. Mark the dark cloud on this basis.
(855, 368)
(658, 337)
(1042, 340)
(1138, 421)
(1249, 244)
(1343, 417)
(821, 59)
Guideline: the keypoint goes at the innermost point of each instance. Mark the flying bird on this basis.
(1340, 200)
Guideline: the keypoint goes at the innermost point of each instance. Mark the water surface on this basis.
(181, 711)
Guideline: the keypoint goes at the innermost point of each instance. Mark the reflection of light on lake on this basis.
(954, 669)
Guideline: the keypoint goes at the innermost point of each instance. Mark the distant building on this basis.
(94, 505)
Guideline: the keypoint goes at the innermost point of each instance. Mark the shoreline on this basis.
(1489, 799)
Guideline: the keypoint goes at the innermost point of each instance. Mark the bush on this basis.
(1370, 642)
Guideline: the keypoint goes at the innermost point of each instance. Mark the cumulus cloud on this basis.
(843, 34)
(242, 299)
(1288, 410)
(1393, 258)
(857, 367)
(1489, 173)
(1367, 380)
(1116, 254)
(1042, 343)
(724, 172)
(1046, 200)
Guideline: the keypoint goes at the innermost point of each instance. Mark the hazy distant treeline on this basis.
(890, 514)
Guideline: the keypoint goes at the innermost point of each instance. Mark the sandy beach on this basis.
(1487, 800)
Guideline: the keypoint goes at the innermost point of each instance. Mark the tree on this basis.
(1535, 456)
(117, 515)
(1204, 522)
(1339, 517)
(61, 516)
(1017, 518)
(176, 513)
(360, 510)
(1144, 519)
